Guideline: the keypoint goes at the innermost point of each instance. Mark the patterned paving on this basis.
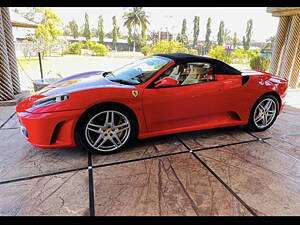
(227, 171)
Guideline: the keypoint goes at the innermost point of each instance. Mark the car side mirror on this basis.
(166, 82)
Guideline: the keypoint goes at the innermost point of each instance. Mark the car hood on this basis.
(78, 82)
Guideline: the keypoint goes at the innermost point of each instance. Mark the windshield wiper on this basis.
(138, 78)
(106, 73)
(123, 81)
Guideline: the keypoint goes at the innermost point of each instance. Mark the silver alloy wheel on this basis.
(265, 113)
(107, 130)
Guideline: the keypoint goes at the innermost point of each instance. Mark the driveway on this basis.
(226, 171)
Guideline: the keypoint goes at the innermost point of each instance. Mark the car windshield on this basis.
(139, 71)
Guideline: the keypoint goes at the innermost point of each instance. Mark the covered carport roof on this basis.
(19, 21)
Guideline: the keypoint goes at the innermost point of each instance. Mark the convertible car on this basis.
(102, 111)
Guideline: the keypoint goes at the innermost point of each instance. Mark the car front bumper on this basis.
(50, 130)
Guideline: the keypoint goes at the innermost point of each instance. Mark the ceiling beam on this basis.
(283, 11)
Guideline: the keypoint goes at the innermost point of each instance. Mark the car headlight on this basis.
(51, 100)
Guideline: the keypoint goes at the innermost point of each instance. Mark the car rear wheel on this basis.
(264, 113)
(105, 130)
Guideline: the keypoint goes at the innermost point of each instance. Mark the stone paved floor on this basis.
(226, 171)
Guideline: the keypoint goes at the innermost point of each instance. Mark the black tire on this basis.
(251, 124)
(83, 140)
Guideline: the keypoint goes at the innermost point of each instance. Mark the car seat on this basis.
(194, 76)
(175, 73)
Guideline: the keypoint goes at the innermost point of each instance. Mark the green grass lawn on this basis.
(62, 66)
(66, 65)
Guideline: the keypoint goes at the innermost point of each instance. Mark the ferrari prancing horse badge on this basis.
(135, 93)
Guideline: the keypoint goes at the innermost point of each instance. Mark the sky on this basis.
(170, 18)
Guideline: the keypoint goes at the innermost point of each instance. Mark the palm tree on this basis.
(134, 18)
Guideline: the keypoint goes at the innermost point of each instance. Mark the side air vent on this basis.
(245, 79)
(55, 132)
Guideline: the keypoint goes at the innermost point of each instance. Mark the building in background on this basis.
(162, 35)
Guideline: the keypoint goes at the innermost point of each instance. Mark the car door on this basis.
(167, 108)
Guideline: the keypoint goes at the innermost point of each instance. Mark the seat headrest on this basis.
(197, 70)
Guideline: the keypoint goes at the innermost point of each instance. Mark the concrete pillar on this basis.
(295, 74)
(7, 26)
(6, 87)
(290, 48)
(281, 36)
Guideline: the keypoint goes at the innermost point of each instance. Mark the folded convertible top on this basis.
(219, 67)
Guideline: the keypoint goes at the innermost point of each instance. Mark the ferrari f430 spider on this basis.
(102, 111)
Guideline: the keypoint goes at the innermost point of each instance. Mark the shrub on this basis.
(259, 63)
(242, 56)
(74, 48)
(99, 49)
(220, 54)
(252, 53)
(96, 48)
(193, 52)
(89, 44)
(164, 46)
(238, 56)
(146, 50)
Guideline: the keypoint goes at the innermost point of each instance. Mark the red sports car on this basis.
(157, 95)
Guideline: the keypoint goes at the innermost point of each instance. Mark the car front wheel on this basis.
(105, 130)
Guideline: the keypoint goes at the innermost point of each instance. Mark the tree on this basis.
(270, 42)
(152, 36)
(30, 14)
(94, 32)
(184, 28)
(182, 37)
(196, 30)
(136, 18)
(247, 39)
(207, 43)
(47, 31)
(144, 36)
(234, 41)
(130, 37)
(115, 32)
(66, 31)
(227, 37)
(220, 53)
(86, 31)
(259, 63)
(165, 46)
(221, 34)
(100, 31)
(73, 28)
(270, 39)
